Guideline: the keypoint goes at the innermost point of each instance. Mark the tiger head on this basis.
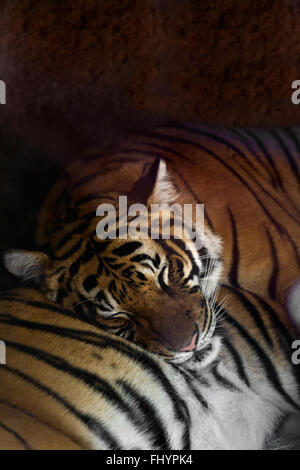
(158, 293)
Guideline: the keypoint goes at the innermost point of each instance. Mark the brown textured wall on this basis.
(78, 70)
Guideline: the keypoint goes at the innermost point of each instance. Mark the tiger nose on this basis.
(192, 345)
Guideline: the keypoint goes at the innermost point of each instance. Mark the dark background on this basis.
(80, 73)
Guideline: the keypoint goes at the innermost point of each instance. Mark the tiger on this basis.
(248, 181)
(128, 281)
(67, 384)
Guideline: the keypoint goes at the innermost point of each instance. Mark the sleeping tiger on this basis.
(249, 182)
(123, 284)
(67, 384)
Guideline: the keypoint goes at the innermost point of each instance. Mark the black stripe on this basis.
(10, 297)
(171, 247)
(101, 296)
(223, 380)
(287, 154)
(92, 424)
(293, 138)
(16, 435)
(93, 381)
(77, 230)
(274, 275)
(278, 325)
(65, 222)
(295, 248)
(61, 294)
(94, 196)
(246, 141)
(278, 203)
(286, 338)
(82, 336)
(155, 135)
(153, 367)
(142, 257)
(90, 251)
(74, 268)
(237, 150)
(250, 175)
(47, 307)
(237, 360)
(150, 421)
(208, 320)
(100, 245)
(266, 363)
(191, 385)
(264, 150)
(43, 423)
(163, 148)
(135, 354)
(216, 138)
(254, 314)
(127, 248)
(70, 252)
(113, 291)
(90, 282)
(235, 257)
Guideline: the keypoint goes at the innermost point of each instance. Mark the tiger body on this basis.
(249, 182)
(122, 284)
(68, 385)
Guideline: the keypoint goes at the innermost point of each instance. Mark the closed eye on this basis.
(195, 289)
(127, 316)
(124, 315)
(103, 308)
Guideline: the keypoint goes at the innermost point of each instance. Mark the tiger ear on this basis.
(155, 186)
(26, 264)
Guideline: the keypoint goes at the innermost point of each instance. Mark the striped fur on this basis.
(121, 284)
(69, 385)
(249, 182)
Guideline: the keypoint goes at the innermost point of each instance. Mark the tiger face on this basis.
(158, 293)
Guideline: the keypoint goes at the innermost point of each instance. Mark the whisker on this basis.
(94, 300)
